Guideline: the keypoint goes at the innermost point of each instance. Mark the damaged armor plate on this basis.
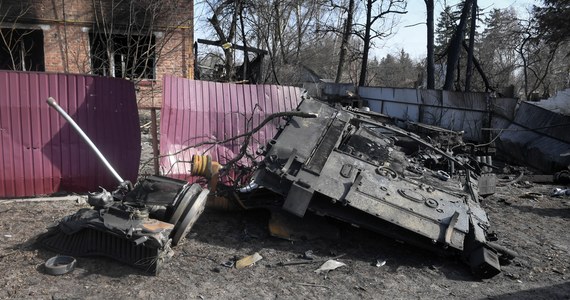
(347, 166)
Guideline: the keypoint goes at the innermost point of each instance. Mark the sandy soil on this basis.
(536, 228)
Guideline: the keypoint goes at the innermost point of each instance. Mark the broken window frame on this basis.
(123, 55)
(23, 48)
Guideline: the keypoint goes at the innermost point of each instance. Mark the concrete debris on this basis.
(308, 255)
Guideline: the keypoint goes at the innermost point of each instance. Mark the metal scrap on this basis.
(136, 224)
(60, 264)
(348, 166)
(248, 260)
(330, 265)
(559, 192)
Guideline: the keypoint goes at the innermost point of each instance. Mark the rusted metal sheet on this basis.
(195, 112)
(41, 154)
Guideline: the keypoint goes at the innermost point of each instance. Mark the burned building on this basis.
(137, 40)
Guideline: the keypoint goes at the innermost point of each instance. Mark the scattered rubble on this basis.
(535, 229)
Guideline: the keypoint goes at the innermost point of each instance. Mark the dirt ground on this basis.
(536, 228)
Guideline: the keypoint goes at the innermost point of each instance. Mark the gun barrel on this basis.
(52, 103)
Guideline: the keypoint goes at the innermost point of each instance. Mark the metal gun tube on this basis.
(78, 129)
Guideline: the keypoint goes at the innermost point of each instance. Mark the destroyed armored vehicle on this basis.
(373, 175)
(135, 225)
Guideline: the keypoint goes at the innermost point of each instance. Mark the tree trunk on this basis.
(480, 70)
(245, 52)
(455, 46)
(345, 40)
(366, 48)
(430, 45)
(470, 50)
(228, 52)
(279, 31)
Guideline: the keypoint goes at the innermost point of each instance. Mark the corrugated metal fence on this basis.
(532, 134)
(41, 154)
(457, 111)
(195, 112)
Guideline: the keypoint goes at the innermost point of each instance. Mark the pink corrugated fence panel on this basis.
(195, 112)
(39, 151)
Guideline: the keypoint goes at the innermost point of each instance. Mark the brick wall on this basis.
(66, 25)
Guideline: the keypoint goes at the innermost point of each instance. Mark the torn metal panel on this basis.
(350, 167)
(534, 136)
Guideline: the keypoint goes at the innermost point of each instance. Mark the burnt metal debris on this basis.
(136, 225)
(357, 169)
(343, 163)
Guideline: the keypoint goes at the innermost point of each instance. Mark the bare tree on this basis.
(394, 71)
(430, 64)
(287, 30)
(345, 39)
(377, 25)
(16, 43)
(224, 20)
(129, 37)
(454, 48)
(471, 49)
(537, 59)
